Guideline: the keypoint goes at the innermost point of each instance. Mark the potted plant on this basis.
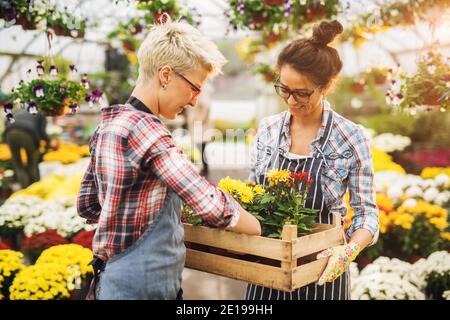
(428, 87)
(267, 72)
(52, 94)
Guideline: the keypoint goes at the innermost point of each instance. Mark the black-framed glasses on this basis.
(196, 90)
(299, 95)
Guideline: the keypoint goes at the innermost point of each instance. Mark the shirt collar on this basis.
(138, 104)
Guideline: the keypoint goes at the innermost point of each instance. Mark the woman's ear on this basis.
(164, 75)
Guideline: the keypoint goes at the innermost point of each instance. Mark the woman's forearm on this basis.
(362, 237)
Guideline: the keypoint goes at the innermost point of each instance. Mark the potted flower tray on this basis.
(283, 264)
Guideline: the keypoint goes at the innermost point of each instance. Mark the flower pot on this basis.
(25, 23)
(128, 45)
(158, 14)
(314, 13)
(60, 30)
(258, 21)
(268, 77)
(273, 3)
(379, 79)
(272, 38)
(432, 100)
(357, 87)
(413, 259)
(54, 112)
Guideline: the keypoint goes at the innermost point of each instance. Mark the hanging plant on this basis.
(65, 24)
(377, 75)
(130, 33)
(51, 94)
(428, 89)
(267, 72)
(22, 12)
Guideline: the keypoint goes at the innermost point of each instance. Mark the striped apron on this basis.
(339, 288)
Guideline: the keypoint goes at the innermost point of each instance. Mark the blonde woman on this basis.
(137, 178)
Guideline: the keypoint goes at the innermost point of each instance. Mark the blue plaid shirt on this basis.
(349, 159)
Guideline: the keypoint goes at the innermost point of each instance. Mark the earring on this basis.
(164, 86)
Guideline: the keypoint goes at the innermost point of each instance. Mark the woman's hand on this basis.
(247, 223)
(339, 258)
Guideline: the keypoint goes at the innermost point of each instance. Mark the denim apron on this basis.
(150, 268)
(339, 288)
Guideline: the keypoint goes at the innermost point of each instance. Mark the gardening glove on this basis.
(339, 258)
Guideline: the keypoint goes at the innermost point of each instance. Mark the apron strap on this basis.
(274, 159)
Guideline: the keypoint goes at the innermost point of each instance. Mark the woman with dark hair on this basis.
(311, 137)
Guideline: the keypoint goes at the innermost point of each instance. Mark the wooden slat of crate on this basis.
(258, 246)
(253, 272)
(316, 242)
(307, 273)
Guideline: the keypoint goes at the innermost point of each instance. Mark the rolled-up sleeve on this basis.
(158, 153)
(361, 189)
(88, 206)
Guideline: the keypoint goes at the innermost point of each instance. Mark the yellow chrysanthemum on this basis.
(11, 262)
(258, 190)
(53, 187)
(238, 189)
(383, 161)
(404, 220)
(439, 223)
(278, 176)
(445, 235)
(432, 172)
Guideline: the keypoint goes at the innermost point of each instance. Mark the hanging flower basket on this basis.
(432, 100)
(26, 23)
(50, 95)
(357, 87)
(427, 89)
(314, 13)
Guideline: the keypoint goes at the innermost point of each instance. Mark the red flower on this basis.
(299, 176)
(35, 244)
(4, 246)
(84, 238)
(309, 182)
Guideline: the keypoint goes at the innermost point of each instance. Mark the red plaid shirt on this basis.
(134, 162)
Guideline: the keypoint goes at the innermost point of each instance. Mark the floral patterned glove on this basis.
(339, 259)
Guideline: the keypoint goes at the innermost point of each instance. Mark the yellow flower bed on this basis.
(432, 172)
(383, 161)
(404, 216)
(53, 187)
(68, 255)
(41, 282)
(56, 273)
(67, 153)
(10, 263)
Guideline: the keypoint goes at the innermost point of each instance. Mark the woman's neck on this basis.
(146, 92)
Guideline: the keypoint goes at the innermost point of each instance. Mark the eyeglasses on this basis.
(196, 90)
(299, 95)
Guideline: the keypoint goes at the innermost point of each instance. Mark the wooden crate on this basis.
(285, 264)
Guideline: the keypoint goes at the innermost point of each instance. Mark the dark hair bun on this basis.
(326, 31)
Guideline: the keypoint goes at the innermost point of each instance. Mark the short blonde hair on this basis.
(179, 45)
